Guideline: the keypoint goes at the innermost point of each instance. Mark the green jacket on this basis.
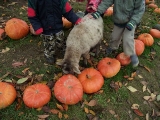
(124, 10)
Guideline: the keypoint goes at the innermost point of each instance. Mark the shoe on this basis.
(134, 60)
(50, 60)
(108, 51)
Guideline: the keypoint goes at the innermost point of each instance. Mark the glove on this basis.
(96, 15)
(130, 26)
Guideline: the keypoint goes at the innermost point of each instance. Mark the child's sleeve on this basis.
(68, 12)
(33, 17)
(138, 11)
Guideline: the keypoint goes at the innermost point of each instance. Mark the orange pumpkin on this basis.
(7, 94)
(66, 23)
(157, 10)
(123, 59)
(139, 47)
(146, 38)
(109, 11)
(91, 80)
(155, 33)
(16, 28)
(37, 95)
(68, 89)
(152, 5)
(149, 1)
(2, 34)
(109, 67)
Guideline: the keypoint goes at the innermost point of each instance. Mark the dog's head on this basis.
(69, 67)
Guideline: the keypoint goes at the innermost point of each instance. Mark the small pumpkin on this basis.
(66, 23)
(68, 90)
(146, 38)
(149, 1)
(37, 95)
(2, 34)
(16, 28)
(123, 59)
(91, 80)
(139, 47)
(109, 11)
(109, 67)
(152, 5)
(155, 33)
(157, 10)
(7, 94)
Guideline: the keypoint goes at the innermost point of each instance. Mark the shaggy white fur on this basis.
(80, 40)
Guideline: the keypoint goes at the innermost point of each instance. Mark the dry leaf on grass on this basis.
(138, 112)
(92, 103)
(132, 89)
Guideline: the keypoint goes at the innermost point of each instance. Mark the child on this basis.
(126, 16)
(45, 17)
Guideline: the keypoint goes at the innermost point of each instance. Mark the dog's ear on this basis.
(76, 69)
(60, 62)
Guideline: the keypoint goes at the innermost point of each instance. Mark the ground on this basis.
(111, 105)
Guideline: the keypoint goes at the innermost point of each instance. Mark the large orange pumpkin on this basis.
(91, 80)
(66, 23)
(146, 38)
(123, 59)
(2, 34)
(7, 94)
(109, 67)
(68, 89)
(37, 95)
(139, 47)
(16, 28)
(155, 33)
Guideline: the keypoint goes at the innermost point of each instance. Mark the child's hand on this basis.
(130, 26)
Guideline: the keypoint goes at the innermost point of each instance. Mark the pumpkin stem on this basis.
(88, 76)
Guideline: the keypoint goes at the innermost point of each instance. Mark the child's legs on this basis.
(49, 45)
(128, 42)
(60, 42)
(116, 37)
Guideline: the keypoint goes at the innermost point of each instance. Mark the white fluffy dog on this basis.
(81, 39)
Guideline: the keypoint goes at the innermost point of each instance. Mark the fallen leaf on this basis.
(5, 50)
(17, 64)
(66, 116)
(60, 115)
(130, 78)
(92, 103)
(86, 110)
(158, 97)
(22, 80)
(65, 106)
(43, 116)
(140, 76)
(147, 69)
(147, 116)
(138, 112)
(147, 97)
(112, 112)
(132, 89)
(135, 106)
(92, 112)
(133, 74)
(59, 106)
(54, 111)
(144, 88)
